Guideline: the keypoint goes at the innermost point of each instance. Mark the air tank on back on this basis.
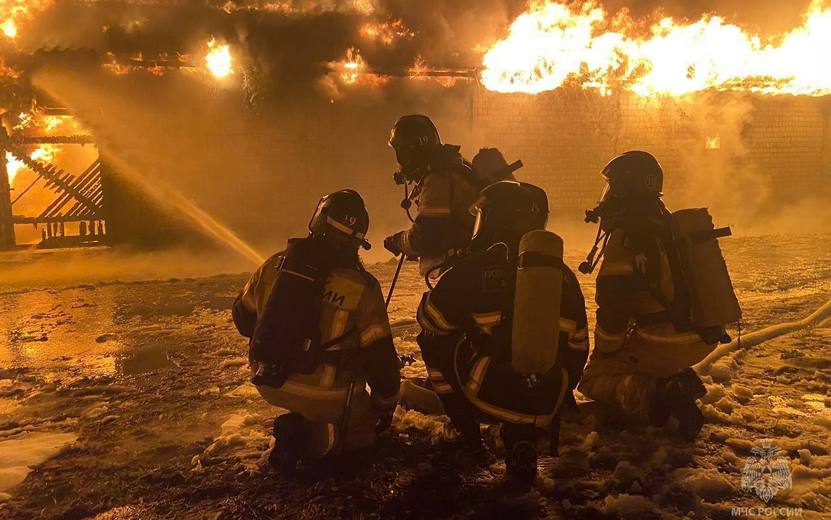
(539, 287)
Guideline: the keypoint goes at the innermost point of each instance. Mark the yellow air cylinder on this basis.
(714, 301)
(539, 286)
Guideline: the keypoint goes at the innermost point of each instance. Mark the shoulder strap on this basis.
(334, 341)
(678, 308)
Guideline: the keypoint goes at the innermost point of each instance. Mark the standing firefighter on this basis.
(663, 298)
(440, 184)
(504, 330)
(319, 327)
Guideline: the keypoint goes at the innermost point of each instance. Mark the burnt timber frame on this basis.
(84, 192)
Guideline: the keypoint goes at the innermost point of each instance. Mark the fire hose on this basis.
(819, 317)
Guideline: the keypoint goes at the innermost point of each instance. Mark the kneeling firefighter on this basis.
(504, 331)
(318, 328)
(664, 297)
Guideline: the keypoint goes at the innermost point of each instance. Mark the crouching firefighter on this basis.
(439, 182)
(664, 297)
(318, 327)
(504, 331)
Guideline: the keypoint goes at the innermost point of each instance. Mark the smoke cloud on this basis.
(257, 152)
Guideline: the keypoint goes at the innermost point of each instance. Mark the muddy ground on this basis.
(131, 400)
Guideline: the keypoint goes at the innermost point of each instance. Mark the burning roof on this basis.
(507, 45)
(553, 44)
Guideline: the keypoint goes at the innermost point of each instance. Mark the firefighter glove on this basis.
(395, 243)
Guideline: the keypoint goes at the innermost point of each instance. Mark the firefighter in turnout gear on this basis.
(317, 322)
(467, 329)
(642, 356)
(439, 183)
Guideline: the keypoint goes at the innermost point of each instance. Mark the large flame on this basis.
(352, 66)
(36, 123)
(43, 153)
(552, 44)
(14, 13)
(218, 60)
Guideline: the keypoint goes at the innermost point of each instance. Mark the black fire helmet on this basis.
(341, 214)
(412, 136)
(506, 210)
(633, 175)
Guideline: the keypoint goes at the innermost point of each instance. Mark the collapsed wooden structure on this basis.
(77, 198)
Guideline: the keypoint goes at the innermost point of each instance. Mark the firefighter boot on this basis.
(660, 406)
(521, 464)
(689, 383)
(290, 433)
(676, 397)
(684, 389)
(690, 419)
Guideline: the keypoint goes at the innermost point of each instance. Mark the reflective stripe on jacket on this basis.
(443, 222)
(353, 308)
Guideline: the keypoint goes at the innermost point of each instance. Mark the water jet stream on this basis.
(162, 194)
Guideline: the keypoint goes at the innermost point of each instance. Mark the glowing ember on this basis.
(420, 68)
(8, 72)
(552, 44)
(218, 60)
(386, 33)
(713, 143)
(420, 71)
(25, 120)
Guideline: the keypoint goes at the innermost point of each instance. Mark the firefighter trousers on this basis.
(626, 377)
(439, 356)
(323, 408)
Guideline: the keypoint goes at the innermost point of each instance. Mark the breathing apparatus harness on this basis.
(676, 311)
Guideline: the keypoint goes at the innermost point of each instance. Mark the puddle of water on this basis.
(143, 360)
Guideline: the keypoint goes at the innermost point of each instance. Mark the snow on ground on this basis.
(131, 400)
(25, 450)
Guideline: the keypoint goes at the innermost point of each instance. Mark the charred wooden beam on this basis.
(19, 219)
(54, 176)
(7, 240)
(87, 178)
(470, 73)
(52, 139)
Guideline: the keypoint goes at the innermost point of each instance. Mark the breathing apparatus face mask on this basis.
(480, 239)
(608, 210)
(477, 225)
(411, 163)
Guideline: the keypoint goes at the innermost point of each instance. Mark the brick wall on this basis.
(565, 137)
(261, 174)
(787, 140)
